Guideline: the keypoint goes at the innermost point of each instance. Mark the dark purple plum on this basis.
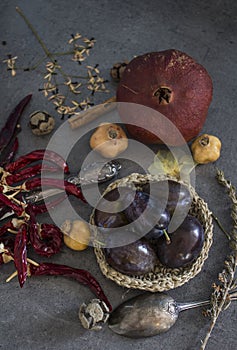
(178, 198)
(110, 215)
(154, 215)
(136, 258)
(159, 229)
(186, 244)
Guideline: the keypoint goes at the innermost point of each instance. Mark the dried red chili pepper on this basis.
(4, 229)
(82, 276)
(15, 207)
(1, 259)
(8, 131)
(46, 239)
(20, 254)
(4, 210)
(43, 208)
(69, 187)
(37, 155)
(29, 172)
(8, 154)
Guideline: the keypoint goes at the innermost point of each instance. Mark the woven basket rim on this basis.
(163, 278)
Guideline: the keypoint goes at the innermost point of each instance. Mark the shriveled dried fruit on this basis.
(41, 123)
(93, 315)
(206, 149)
(109, 140)
(76, 234)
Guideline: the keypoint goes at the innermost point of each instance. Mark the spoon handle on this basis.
(192, 304)
(94, 173)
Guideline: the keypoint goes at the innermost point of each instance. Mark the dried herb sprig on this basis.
(226, 290)
(62, 89)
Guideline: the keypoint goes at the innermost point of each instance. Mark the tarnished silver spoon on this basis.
(94, 173)
(147, 315)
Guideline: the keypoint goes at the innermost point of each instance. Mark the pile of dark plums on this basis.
(134, 223)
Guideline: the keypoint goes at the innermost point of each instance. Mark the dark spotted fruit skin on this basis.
(186, 244)
(136, 258)
(109, 213)
(118, 208)
(178, 199)
(187, 93)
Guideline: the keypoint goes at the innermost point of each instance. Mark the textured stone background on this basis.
(43, 315)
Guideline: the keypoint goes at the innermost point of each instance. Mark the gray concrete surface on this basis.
(43, 314)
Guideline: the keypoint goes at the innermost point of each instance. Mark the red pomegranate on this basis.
(172, 83)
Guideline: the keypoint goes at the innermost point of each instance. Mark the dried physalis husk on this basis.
(41, 123)
(117, 70)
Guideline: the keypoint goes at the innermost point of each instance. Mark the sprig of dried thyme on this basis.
(226, 290)
(65, 90)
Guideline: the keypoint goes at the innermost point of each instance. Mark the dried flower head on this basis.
(11, 64)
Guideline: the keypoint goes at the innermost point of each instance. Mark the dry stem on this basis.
(229, 272)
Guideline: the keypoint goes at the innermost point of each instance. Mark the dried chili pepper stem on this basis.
(15, 207)
(13, 275)
(6, 188)
(12, 196)
(6, 256)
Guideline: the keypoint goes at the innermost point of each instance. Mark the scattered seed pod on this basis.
(41, 123)
(117, 70)
(93, 315)
(76, 234)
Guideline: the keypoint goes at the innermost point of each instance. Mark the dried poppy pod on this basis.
(118, 69)
(172, 83)
(41, 123)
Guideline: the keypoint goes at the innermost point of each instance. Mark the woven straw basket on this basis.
(162, 278)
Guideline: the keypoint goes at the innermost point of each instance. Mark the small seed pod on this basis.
(206, 149)
(117, 70)
(93, 315)
(109, 140)
(41, 123)
(76, 234)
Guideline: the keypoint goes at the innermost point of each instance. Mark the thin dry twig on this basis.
(224, 292)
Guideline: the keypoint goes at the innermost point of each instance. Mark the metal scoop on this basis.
(147, 315)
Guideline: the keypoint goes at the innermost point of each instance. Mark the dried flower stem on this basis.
(72, 84)
(42, 44)
(221, 226)
(225, 291)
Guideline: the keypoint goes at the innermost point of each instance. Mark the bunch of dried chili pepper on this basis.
(20, 176)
